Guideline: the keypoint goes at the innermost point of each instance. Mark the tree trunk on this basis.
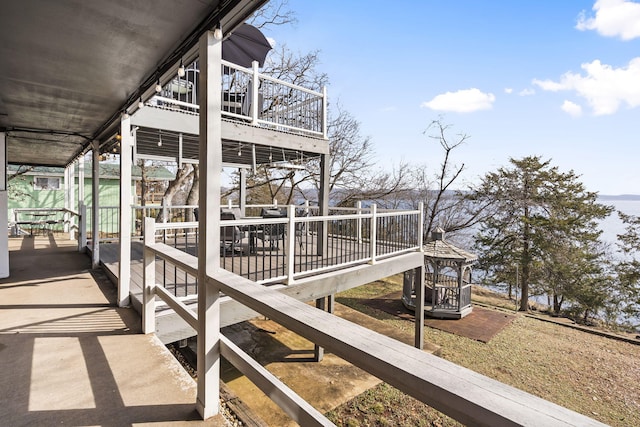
(193, 197)
(556, 304)
(182, 174)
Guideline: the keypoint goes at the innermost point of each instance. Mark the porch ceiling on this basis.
(69, 68)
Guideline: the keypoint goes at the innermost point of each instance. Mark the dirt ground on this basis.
(325, 385)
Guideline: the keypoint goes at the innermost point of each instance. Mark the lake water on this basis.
(612, 226)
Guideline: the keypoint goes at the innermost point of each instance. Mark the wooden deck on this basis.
(272, 265)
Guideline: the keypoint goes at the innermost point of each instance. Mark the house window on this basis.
(46, 183)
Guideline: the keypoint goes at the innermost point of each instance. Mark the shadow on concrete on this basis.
(69, 356)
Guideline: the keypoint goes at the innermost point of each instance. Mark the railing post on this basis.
(82, 229)
(460, 273)
(324, 112)
(15, 221)
(421, 225)
(291, 243)
(359, 212)
(255, 86)
(149, 278)
(374, 234)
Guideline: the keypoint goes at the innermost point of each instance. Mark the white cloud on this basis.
(613, 18)
(462, 101)
(527, 92)
(548, 85)
(508, 90)
(571, 108)
(604, 87)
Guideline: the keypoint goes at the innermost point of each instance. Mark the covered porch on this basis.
(74, 78)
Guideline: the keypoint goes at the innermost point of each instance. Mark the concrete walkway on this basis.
(69, 356)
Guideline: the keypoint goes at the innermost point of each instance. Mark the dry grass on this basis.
(590, 374)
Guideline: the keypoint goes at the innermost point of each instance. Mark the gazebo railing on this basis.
(452, 297)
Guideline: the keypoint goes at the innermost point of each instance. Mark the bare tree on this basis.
(273, 13)
(14, 192)
(445, 207)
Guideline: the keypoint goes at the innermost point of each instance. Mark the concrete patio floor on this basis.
(69, 356)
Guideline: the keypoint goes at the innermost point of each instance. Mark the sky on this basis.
(557, 79)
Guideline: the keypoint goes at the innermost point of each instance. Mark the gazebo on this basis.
(447, 280)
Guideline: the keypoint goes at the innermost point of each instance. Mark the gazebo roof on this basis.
(439, 249)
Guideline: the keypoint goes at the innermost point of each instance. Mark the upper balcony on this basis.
(253, 107)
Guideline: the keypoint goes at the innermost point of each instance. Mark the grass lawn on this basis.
(590, 374)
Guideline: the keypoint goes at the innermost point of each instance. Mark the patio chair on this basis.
(230, 235)
(272, 233)
(247, 102)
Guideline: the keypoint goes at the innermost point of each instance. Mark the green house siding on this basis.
(23, 195)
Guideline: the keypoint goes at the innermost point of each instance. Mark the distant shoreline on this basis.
(633, 197)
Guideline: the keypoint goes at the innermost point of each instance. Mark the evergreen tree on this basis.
(542, 226)
(628, 269)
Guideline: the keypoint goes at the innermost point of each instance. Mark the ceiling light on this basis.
(217, 33)
(158, 86)
(160, 139)
(140, 103)
(181, 71)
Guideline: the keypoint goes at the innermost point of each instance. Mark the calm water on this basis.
(612, 226)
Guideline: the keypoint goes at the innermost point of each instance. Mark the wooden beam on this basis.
(170, 328)
(293, 405)
(237, 131)
(460, 393)
(210, 155)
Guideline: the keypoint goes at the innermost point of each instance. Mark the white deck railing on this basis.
(297, 245)
(252, 97)
(458, 392)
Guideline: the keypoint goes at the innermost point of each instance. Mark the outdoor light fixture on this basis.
(158, 86)
(181, 71)
(140, 103)
(240, 150)
(125, 115)
(217, 33)
(159, 138)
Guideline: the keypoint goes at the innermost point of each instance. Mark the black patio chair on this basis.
(230, 235)
(272, 233)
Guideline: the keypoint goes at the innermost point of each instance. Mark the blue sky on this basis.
(559, 79)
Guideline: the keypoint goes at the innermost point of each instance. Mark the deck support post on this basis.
(4, 208)
(82, 208)
(149, 278)
(95, 204)
(318, 351)
(124, 265)
(69, 199)
(418, 284)
(82, 227)
(243, 192)
(323, 203)
(210, 155)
